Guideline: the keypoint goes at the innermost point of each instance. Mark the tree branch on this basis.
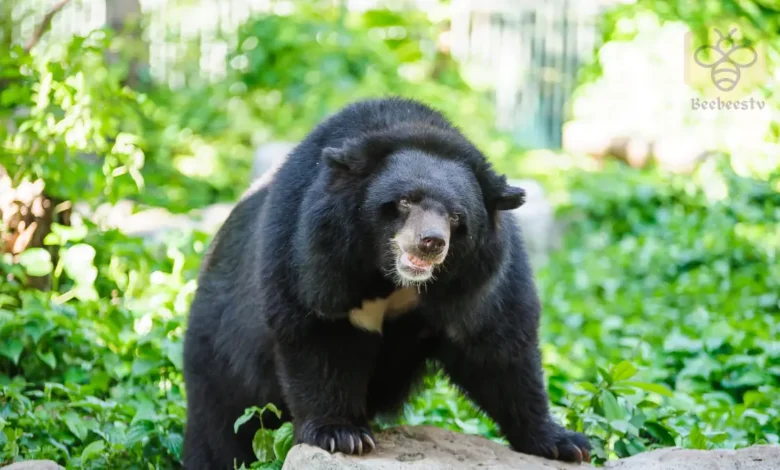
(44, 25)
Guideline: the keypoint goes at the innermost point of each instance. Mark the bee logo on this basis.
(725, 69)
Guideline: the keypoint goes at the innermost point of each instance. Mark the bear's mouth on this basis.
(413, 268)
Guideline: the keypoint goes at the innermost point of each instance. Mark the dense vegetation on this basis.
(661, 307)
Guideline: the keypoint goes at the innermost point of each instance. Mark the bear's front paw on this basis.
(561, 444)
(337, 436)
(572, 447)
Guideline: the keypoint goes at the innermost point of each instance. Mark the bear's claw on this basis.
(572, 447)
(334, 437)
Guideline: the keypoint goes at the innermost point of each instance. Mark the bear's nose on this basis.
(432, 242)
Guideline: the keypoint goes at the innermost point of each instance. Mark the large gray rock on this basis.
(431, 448)
(33, 465)
(751, 458)
(424, 448)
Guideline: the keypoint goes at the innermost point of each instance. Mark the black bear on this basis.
(381, 242)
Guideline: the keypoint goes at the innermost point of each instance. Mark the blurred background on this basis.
(129, 127)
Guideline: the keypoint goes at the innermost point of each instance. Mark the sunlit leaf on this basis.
(93, 450)
(612, 410)
(263, 445)
(36, 261)
(12, 349)
(649, 387)
(284, 440)
(623, 371)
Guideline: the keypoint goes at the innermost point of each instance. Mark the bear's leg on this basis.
(406, 344)
(210, 442)
(324, 369)
(504, 378)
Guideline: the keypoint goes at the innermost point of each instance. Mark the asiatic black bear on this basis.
(383, 240)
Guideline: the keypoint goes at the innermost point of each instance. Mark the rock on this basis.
(424, 448)
(432, 448)
(763, 457)
(537, 221)
(33, 465)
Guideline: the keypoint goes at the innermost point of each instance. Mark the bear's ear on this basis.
(510, 198)
(337, 159)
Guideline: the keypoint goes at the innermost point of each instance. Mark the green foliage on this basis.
(758, 19)
(270, 446)
(292, 71)
(286, 73)
(75, 124)
(92, 375)
(678, 276)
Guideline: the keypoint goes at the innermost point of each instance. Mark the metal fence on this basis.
(527, 52)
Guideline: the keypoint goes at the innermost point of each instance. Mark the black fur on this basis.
(269, 322)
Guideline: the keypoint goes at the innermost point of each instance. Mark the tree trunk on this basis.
(26, 216)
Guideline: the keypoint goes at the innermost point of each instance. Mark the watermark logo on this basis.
(724, 68)
(729, 58)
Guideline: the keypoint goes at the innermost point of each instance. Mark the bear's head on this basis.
(427, 200)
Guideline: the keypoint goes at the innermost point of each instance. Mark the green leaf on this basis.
(273, 409)
(85, 292)
(718, 437)
(76, 425)
(634, 446)
(605, 375)
(78, 264)
(698, 440)
(284, 439)
(93, 450)
(244, 418)
(12, 349)
(143, 366)
(650, 387)
(62, 234)
(623, 371)
(623, 426)
(173, 444)
(35, 329)
(274, 465)
(263, 445)
(612, 410)
(660, 432)
(48, 358)
(36, 262)
(137, 432)
(144, 412)
(622, 390)
(589, 387)
(174, 353)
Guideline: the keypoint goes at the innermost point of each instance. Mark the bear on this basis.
(382, 243)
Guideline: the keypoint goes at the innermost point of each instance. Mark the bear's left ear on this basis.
(336, 158)
(510, 198)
